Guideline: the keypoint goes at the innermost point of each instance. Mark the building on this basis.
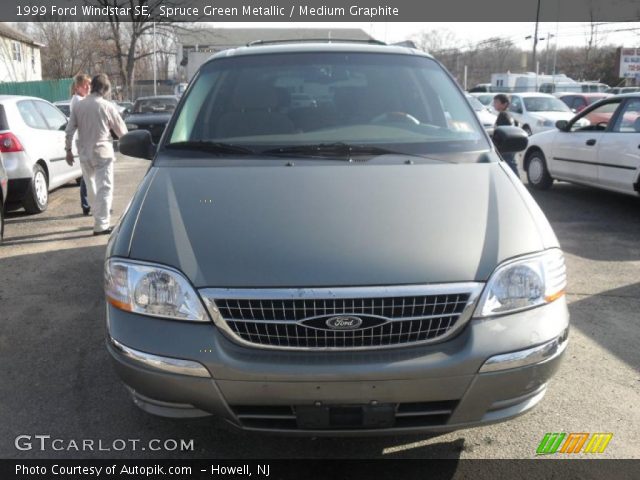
(195, 47)
(19, 56)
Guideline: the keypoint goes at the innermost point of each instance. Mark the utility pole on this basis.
(546, 55)
(155, 83)
(535, 37)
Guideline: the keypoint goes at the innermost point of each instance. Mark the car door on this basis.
(61, 172)
(37, 139)
(516, 108)
(619, 149)
(575, 152)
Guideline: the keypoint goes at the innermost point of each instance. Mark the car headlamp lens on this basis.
(524, 283)
(151, 290)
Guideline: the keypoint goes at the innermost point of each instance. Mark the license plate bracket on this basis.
(311, 417)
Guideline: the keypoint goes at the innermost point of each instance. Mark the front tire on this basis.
(37, 198)
(537, 173)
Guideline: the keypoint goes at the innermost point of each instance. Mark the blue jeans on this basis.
(510, 158)
(84, 201)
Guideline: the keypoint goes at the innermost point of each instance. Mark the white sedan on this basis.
(604, 154)
(536, 112)
(32, 144)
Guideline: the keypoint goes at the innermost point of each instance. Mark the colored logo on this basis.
(573, 443)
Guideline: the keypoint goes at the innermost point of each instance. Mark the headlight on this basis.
(524, 283)
(151, 290)
(545, 123)
(132, 126)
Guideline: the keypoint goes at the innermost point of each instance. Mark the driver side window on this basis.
(597, 119)
(629, 119)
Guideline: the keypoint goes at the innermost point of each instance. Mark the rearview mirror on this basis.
(510, 139)
(562, 125)
(137, 144)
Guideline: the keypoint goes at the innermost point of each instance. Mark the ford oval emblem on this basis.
(343, 323)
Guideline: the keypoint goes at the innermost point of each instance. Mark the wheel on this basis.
(527, 129)
(37, 197)
(537, 173)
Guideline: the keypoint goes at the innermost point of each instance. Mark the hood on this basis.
(315, 225)
(486, 117)
(554, 116)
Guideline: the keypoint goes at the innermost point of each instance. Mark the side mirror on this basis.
(63, 127)
(137, 144)
(510, 139)
(562, 125)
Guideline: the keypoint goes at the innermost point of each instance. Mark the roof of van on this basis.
(316, 47)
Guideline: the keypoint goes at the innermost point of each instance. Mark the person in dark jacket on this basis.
(501, 104)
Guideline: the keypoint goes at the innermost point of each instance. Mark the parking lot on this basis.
(57, 378)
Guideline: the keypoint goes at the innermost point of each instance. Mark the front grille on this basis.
(344, 417)
(302, 323)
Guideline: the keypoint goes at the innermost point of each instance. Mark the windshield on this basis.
(155, 105)
(545, 104)
(401, 103)
(486, 100)
(475, 103)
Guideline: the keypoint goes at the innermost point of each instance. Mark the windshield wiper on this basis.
(211, 147)
(338, 149)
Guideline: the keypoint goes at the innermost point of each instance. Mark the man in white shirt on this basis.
(81, 87)
(94, 118)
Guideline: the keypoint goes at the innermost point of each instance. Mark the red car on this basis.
(579, 101)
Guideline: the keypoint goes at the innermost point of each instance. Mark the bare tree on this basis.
(69, 48)
(126, 34)
(436, 42)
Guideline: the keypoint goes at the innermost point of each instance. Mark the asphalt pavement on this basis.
(57, 379)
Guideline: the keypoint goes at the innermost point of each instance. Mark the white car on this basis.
(486, 99)
(32, 146)
(604, 154)
(487, 119)
(537, 112)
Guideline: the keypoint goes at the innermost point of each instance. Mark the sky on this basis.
(567, 33)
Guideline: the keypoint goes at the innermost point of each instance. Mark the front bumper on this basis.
(430, 388)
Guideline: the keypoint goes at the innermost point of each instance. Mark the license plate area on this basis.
(345, 416)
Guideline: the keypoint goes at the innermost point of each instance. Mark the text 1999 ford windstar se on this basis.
(328, 242)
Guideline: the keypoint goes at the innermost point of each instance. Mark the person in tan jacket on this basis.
(94, 118)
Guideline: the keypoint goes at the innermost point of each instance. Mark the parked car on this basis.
(619, 90)
(487, 118)
(481, 87)
(579, 101)
(64, 106)
(4, 180)
(32, 144)
(127, 105)
(485, 99)
(180, 88)
(151, 114)
(602, 154)
(368, 265)
(537, 112)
